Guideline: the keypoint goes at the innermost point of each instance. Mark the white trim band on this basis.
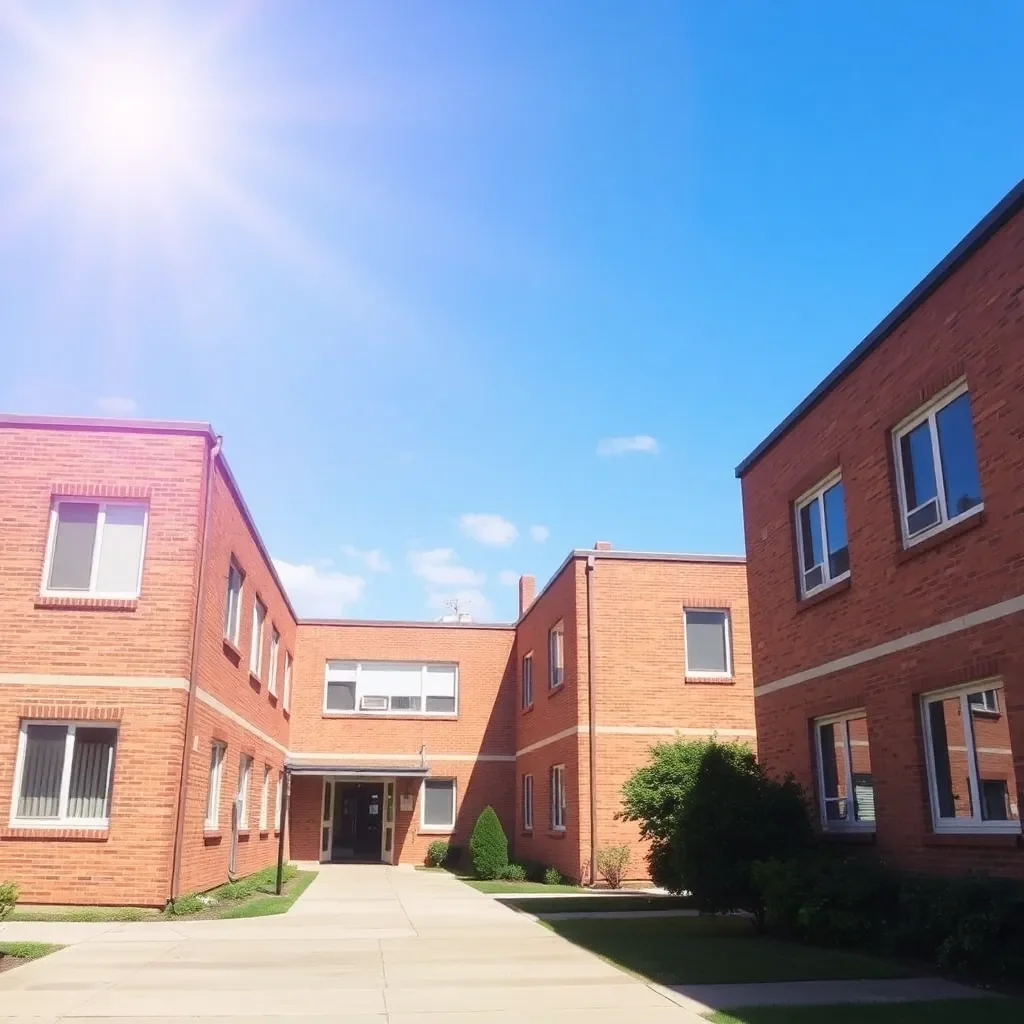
(222, 709)
(363, 759)
(636, 730)
(101, 682)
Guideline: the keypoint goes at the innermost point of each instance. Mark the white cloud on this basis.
(115, 405)
(373, 559)
(488, 528)
(508, 577)
(634, 443)
(319, 593)
(540, 533)
(439, 566)
(468, 600)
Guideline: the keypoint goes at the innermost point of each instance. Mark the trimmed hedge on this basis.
(488, 847)
(437, 853)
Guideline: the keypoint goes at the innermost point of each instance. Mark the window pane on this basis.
(407, 703)
(959, 461)
(341, 696)
(438, 803)
(121, 549)
(918, 465)
(41, 771)
(927, 515)
(833, 771)
(441, 705)
(949, 757)
(810, 535)
(705, 642)
(835, 530)
(71, 566)
(91, 763)
(993, 757)
(860, 767)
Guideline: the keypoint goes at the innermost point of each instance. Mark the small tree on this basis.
(612, 862)
(710, 811)
(437, 853)
(488, 847)
(8, 898)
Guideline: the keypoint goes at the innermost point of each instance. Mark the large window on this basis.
(846, 792)
(557, 790)
(259, 618)
(390, 688)
(821, 537)
(527, 680)
(275, 647)
(63, 775)
(213, 789)
(233, 603)
(244, 779)
(556, 656)
(528, 803)
(971, 777)
(287, 680)
(708, 647)
(937, 468)
(265, 799)
(438, 805)
(95, 548)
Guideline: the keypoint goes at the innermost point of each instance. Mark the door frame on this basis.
(327, 793)
(326, 818)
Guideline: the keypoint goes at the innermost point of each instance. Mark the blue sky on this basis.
(424, 262)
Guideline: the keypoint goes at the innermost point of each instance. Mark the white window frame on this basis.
(556, 672)
(265, 799)
(244, 785)
(259, 626)
(528, 802)
(928, 413)
(212, 820)
(435, 828)
(831, 825)
(817, 492)
(287, 697)
(398, 712)
(275, 653)
(101, 518)
(557, 790)
(987, 707)
(693, 673)
(278, 805)
(527, 690)
(976, 823)
(233, 626)
(62, 821)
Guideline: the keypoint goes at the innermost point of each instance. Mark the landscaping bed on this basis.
(14, 954)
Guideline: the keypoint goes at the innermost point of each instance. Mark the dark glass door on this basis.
(358, 812)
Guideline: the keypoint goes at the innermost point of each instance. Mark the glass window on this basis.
(556, 656)
(287, 680)
(845, 783)
(937, 466)
(265, 798)
(401, 688)
(233, 603)
(259, 617)
(213, 787)
(707, 642)
(528, 803)
(244, 778)
(558, 797)
(275, 646)
(821, 537)
(527, 680)
(438, 803)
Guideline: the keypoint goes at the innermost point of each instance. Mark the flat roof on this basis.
(407, 623)
(1009, 205)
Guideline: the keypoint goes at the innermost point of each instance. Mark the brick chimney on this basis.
(602, 545)
(527, 588)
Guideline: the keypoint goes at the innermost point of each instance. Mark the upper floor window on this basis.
(527, 680)
(233, 603)
(707, 643)
(821, 536)
(386, 687)
(287, 680)
(275, 646)
(556, 656)
(95, 548)
(846, 790)
(259, 617)
(936, 466)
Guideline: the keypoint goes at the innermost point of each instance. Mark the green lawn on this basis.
(952, 1011)
(499, 887)
(714, 950)
(56, 913)
(604, 904)
(27, 950)
(261, 905)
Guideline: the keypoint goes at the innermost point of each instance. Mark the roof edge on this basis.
(425, 623)
(12, 419)
(1009, 205)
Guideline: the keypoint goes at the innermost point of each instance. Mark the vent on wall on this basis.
(368, 703)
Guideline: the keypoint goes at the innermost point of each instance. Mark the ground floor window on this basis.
(213, 786)
(528, 803)
(558, 797)
(265, 798)
(846, 789)
(63, 775)
(971, 778)
(438, 804)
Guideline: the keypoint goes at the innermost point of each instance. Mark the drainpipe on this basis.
(193, 675)
(592, 718)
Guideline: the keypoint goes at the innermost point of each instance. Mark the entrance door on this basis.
(358, 814)
(327, 821)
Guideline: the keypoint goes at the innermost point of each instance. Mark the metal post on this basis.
(286, 785)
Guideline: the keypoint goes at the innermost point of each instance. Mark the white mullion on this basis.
(65, 778)
(359, 686)
(101, 522)
(110, 782)
(423, 689)
(940, 483)
(826, 572)
(821, 774)
(19, 769)
(972, 759)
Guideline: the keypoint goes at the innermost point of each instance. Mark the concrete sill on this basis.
(264, 832)
(390, 716)
(231, 650)
(972, 522)
(254, 680)
(701, 680)
(526, 710)
(980, 840)
(243, 835)
(272, 697)
(527, 833)
(80, 835)
(824, 595)
(436, 832)
(212, 836)
(552, 690)
(556, 834)
(84, 603)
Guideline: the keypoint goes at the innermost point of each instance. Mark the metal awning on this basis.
(376, 771)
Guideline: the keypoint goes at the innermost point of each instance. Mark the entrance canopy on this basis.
(376, 771)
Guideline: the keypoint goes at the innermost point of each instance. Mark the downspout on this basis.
(592, 718)
(193, 675)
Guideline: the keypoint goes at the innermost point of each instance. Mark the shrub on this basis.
(8, 898)
(612, 862)
(710, 811)
(552, 876)
(534, 869)
(437, 853)
(488, 847)
(190, 904)
(513, 873)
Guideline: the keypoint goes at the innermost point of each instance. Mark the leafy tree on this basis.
(488, 847)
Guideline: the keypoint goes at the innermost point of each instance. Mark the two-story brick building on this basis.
(883, 523)
(160, 701)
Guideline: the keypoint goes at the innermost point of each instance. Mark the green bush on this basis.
(612, 862)
(8, 898)
(183, 905)
(552, 876)
(710, 812)
(437, 853)
(488, 847)
(513, 873)
(534, 869)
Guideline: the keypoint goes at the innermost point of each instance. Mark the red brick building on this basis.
(160, 700)
(886, 572)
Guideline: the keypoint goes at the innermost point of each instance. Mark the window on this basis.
(213, 790)
(438, 804)
(264, 799)
(528, 803)
(527, 680)
(233, 603)
(558, 797)
(985, 700)
(384, 687)
(275, 644)
(821, 537)
(63, 775)
(95, 548)
(707, 643)
(556, 656)
(287, 680)
(846, 791)
(936, 466)
(277, 806)
(244, 778)
(259, 617)
(971, 778)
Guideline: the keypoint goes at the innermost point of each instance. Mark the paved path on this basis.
(361, 945)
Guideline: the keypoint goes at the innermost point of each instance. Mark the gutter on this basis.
(592, 717)
(193, 675)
